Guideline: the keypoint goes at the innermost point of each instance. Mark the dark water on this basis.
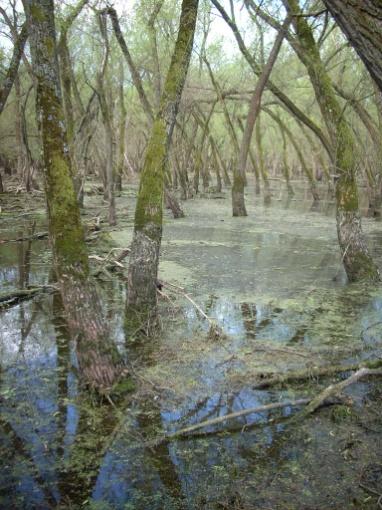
(271, 281)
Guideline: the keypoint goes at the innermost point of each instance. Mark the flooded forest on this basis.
(190, 254)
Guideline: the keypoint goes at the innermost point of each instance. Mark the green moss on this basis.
(340, 414)
(124, 386)
(149, 209)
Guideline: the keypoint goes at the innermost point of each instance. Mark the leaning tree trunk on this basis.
(13, 68)
(144, 259)
(238, 202)
(361, 21)
(97, 356)
(356, 258)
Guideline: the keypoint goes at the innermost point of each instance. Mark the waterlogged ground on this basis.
(273, 283)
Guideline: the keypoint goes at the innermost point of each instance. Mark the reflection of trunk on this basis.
(238, 203)
(80, 469)
(249, 313)
(144, 257)
(356, 258)
(158, 456)
(63, 366)
(82, 305)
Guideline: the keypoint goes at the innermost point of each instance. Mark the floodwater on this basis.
(274, 284)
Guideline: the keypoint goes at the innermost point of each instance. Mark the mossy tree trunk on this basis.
(356, 258)
(144, 259)
(97, 356)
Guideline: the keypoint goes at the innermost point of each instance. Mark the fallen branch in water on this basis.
(33, 237)
(237, 414)
(311, 373)
(14, 297)
(113, 264)
(44, 235)
(324, 398)
(215, 331)
(335, 389)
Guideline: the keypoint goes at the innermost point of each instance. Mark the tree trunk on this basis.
(98, 358)
(144, 259)
(107, 122)
(173, 204)
(361, 21)
(267, 195)
(122, 132)
(13, 68)
(238, 203)
(356, 258)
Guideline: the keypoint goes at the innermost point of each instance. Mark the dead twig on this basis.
(215, 331)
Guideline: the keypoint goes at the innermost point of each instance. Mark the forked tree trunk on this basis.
(355, 254)
(98, 358)
(144, 258)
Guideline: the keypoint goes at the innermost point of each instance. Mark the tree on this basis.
(13, 66)
(238, 204)
(144, 258)
(361, 21)
(98, 358)
(356, 258)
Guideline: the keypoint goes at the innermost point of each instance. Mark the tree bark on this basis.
(361, 21)
(144, 259)
(98, 357)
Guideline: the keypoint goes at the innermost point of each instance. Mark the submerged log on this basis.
(14, 297)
